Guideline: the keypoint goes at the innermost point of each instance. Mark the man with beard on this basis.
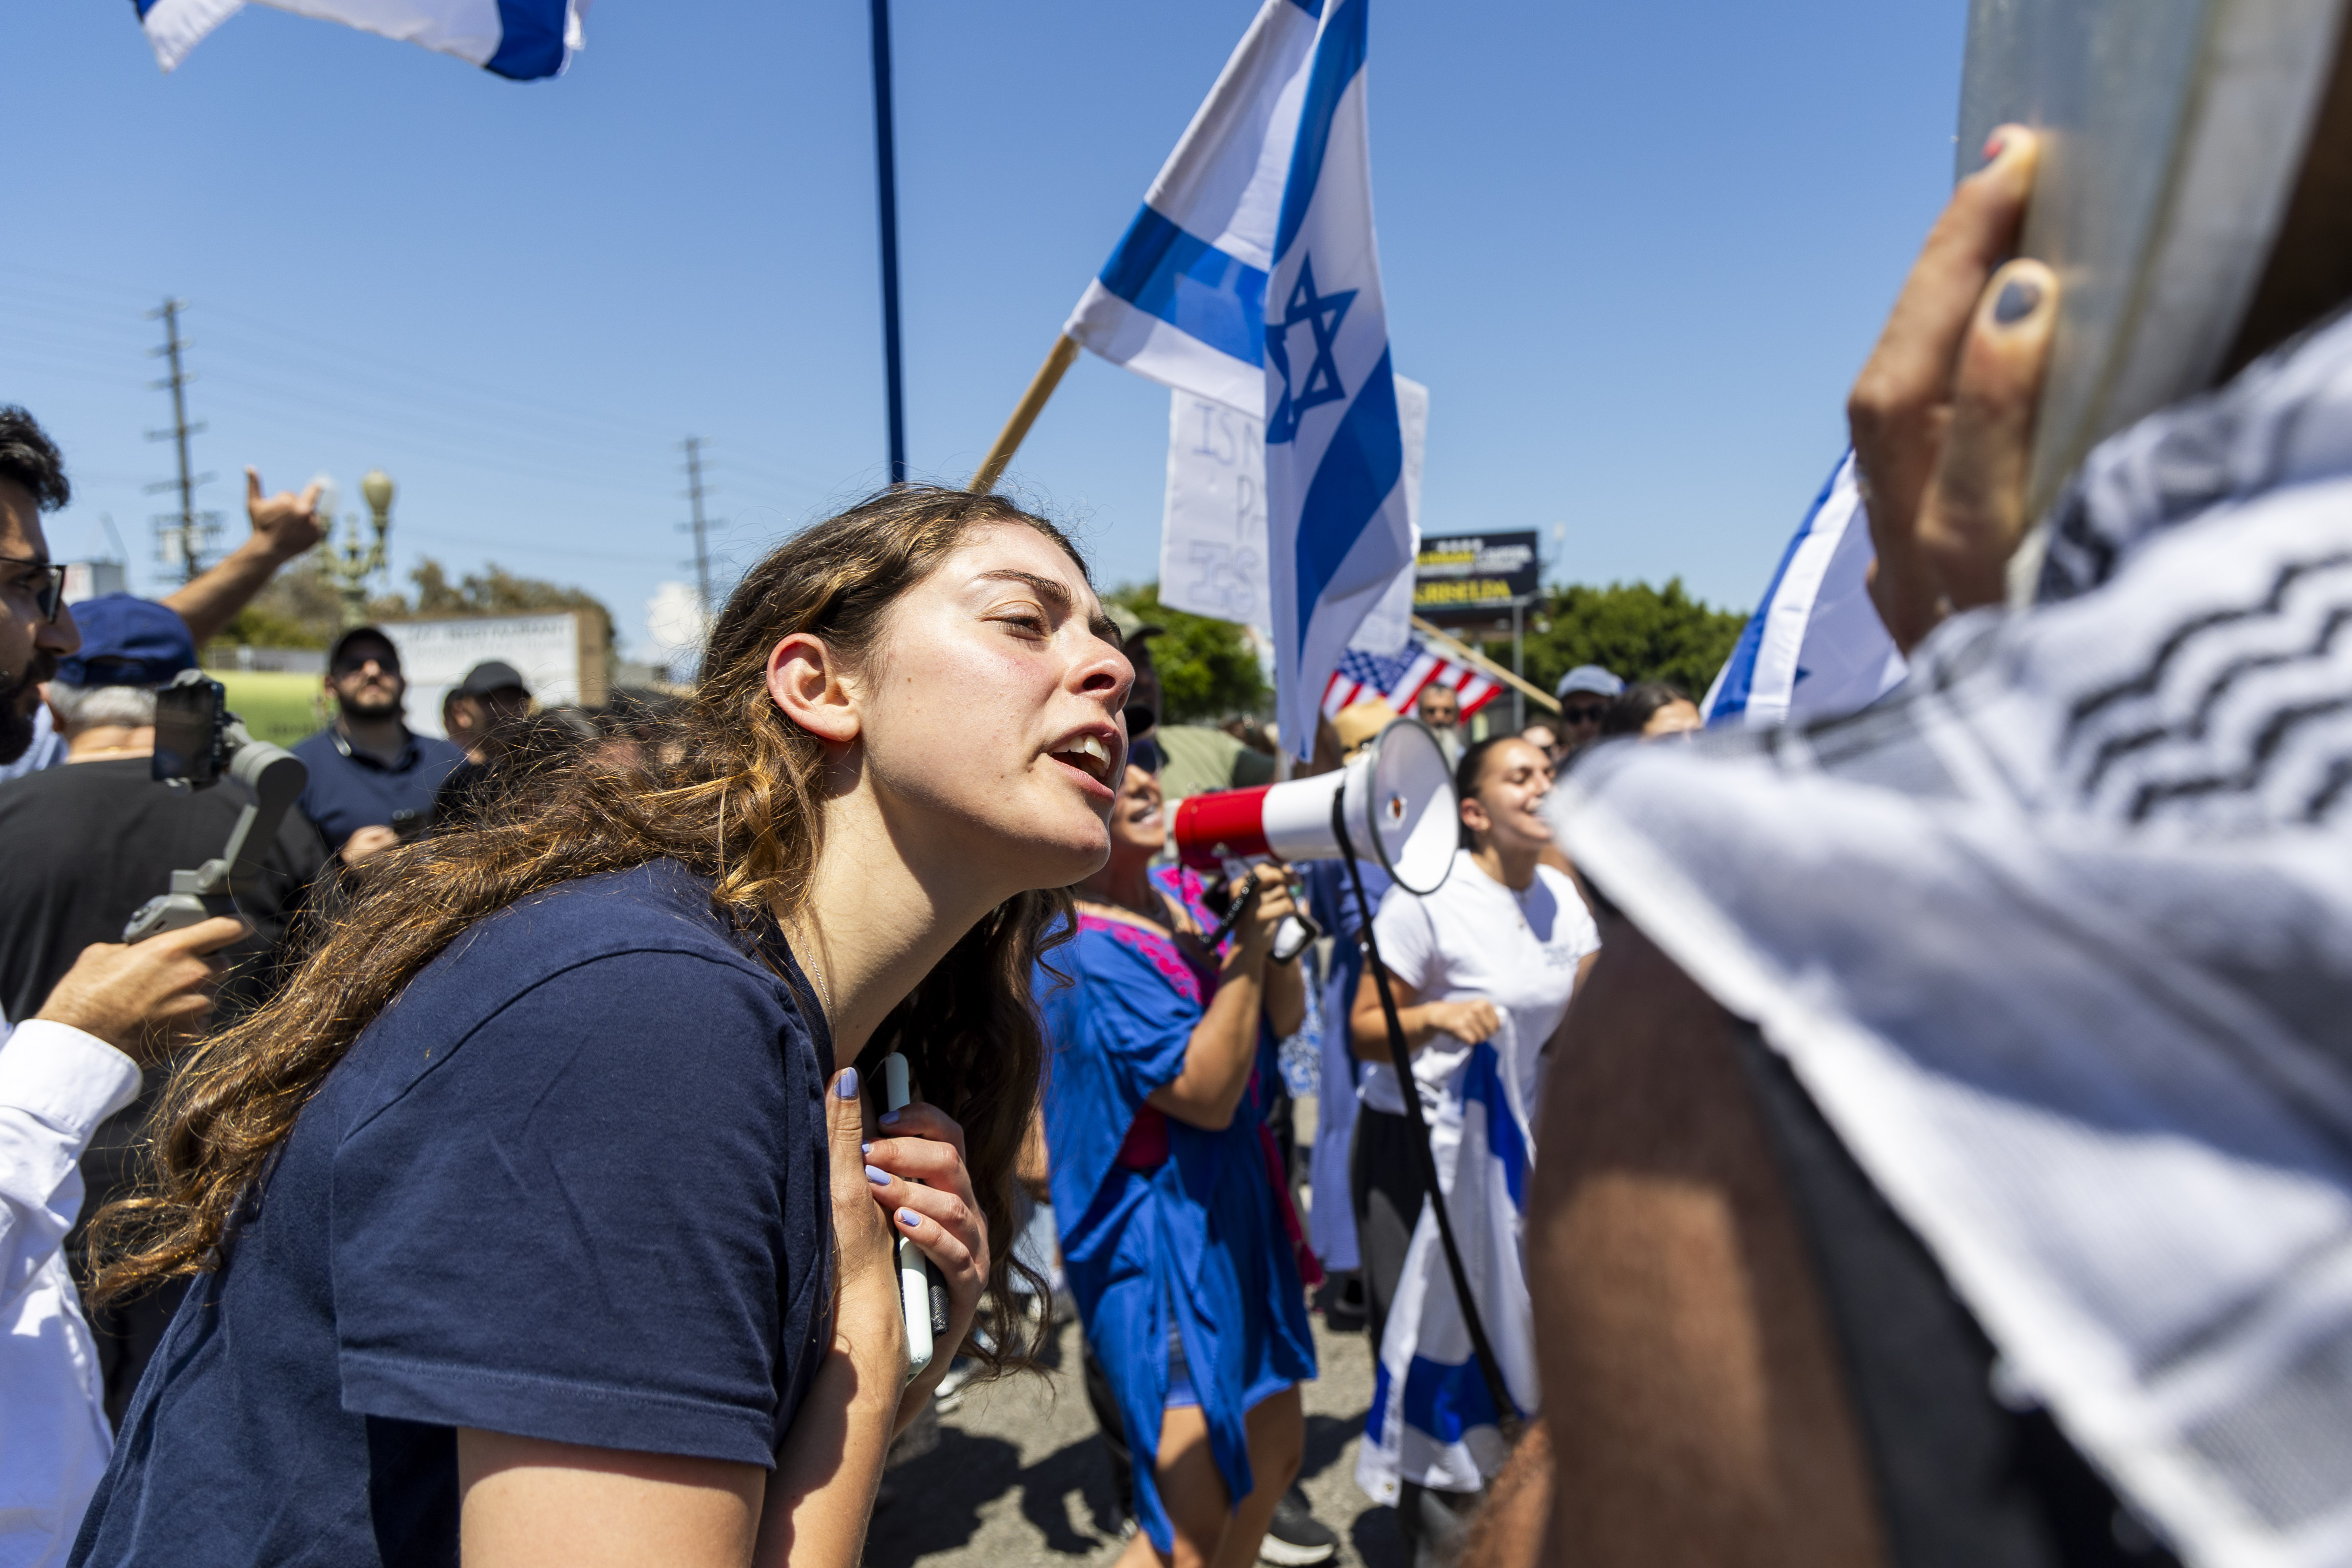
(63, 1071)
(284, 526)
(371, 779)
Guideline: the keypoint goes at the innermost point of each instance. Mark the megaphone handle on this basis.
(1242, 901)
(1507, 1416)
(913, 1272)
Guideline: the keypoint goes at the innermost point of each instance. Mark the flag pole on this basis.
(1025, 413)
(886, 179)
(1463, 651)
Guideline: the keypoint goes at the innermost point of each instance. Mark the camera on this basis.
(197, 742)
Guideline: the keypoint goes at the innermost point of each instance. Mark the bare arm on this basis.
(284, 525)
(1224, 1048)
(1472, 1019)
(1676, 1308)
(526, 1503)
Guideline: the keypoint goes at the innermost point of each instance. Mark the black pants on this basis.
(1384, 1188)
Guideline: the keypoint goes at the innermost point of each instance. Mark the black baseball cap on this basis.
(341, 650)
(492, 675)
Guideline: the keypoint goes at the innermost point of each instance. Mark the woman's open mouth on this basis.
(1088, 756)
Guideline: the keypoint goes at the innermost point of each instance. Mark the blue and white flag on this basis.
(523, 40)
(1182, 299)
(1815, 648)
(1432, 1420)
(1336, 521)
(1251, 278)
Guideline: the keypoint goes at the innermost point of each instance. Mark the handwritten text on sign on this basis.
(1212, 544)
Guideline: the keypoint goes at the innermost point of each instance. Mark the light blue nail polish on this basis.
(876, 1174)
(846, 1088)
(865, 1148)
(910, 1219)
(887, 1117)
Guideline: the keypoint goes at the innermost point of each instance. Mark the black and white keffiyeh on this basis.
(2059, 936)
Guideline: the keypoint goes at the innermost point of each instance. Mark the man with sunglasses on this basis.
(284, 526)
(1584, 693)
(372, 779)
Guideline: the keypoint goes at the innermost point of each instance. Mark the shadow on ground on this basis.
(1064, 1495)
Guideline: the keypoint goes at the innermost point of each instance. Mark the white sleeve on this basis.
(57, 1084)
(1407, 939)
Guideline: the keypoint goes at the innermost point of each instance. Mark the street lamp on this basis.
(351, 564)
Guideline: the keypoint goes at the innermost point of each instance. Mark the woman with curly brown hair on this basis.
(532, 1222)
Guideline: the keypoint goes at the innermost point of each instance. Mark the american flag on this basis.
(1397, 679)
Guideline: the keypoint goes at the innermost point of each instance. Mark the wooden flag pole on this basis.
(1463, 651)
(1025, 414)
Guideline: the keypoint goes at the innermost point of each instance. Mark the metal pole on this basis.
(1518, 665)
(886, 175)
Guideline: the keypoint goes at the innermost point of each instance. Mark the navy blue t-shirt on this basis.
(349, 790)
(571, 1185)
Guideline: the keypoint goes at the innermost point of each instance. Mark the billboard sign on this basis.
(1465, 577)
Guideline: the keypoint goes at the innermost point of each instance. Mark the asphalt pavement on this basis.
(1019, 1479)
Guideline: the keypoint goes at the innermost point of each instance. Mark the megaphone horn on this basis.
(1396, 797)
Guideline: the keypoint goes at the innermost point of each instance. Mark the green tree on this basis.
(492, 591)
(297, 608)
(1208, 670)
(1640, 632)
(300, 608)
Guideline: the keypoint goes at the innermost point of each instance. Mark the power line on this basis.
(180, 530)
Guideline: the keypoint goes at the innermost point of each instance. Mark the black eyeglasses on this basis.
(1582, 715)
(49, 589)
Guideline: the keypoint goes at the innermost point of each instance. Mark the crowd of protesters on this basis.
(510, 1180)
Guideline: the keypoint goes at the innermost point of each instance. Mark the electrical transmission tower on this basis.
(701, 538)
(184, 533)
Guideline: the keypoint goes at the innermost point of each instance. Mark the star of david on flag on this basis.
(1321, 315)
(1251, 278)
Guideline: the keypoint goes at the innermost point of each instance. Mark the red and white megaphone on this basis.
(1392, 804)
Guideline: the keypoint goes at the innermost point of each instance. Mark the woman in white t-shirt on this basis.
(1504, 934)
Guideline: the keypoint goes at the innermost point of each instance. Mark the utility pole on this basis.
(181, 528)
(885, 180)
(701, 547)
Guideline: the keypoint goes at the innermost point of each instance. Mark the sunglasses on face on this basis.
(1583, 715)
(46, 581)
(353, 664)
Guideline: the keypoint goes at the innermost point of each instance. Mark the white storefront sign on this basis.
(545, 649)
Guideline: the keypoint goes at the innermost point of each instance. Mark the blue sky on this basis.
(1637, 252)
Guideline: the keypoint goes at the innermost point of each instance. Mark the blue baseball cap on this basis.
(128, 641)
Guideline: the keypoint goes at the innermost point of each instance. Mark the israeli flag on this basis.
(1336, 522)
(1432, 1421)
(522, 40)
(1182, 299)
(1815, 648)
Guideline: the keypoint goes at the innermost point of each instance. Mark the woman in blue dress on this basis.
(1177, 1231)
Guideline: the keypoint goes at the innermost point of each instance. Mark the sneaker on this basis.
(948, 1396)
(1296, 1537)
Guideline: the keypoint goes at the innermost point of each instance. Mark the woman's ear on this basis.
(1474, 816)
(806, 681)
